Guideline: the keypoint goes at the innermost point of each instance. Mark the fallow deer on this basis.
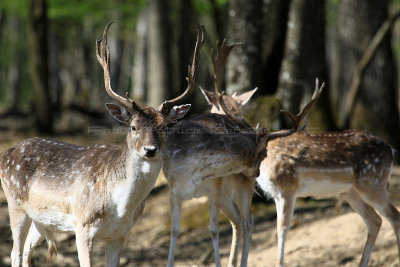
(96, 192)
(353, 164)
(218, 156)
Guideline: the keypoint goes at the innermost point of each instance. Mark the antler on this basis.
(219, 60)
(103, 56)
(192, 73)
(299, 116)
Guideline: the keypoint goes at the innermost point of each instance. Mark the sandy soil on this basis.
(319, 237)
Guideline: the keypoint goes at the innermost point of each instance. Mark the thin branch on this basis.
(362, 65)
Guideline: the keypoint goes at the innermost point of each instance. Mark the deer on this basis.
(353, 165)
(96, 192)
(218, 155)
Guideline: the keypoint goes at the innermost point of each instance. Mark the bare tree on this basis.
(13, 88)
(186, 33)
(139, 68)
(304, 59)
(159, 77)
(274, 26)
(244, 69)
(38, 51)
(375, 104)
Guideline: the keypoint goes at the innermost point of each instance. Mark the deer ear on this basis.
(118, 112)
(178, 112)
(245, 97)
(210, 97)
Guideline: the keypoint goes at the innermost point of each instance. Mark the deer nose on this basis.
(150, 151)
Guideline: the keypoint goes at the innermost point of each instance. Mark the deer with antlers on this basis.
(218, 155)
(353, 165)
(96, 192)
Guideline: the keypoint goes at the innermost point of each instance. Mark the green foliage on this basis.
(331, 11)
(98, 9)
(205, 6)
(77, 9)
(15, 7)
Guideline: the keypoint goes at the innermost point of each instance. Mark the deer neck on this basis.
(136, 177)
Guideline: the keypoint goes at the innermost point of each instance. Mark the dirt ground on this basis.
(319, 237)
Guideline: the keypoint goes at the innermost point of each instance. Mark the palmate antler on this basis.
(192, 73)
(219, 58)
(298, 118)
(103, 56)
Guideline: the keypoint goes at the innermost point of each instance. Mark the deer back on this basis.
(347, 156)
(216, 144)
(55, 168)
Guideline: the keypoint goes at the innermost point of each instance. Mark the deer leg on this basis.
(32, 240)
(371, 219)
(175, 206)
(113, 249)
(378, 199)
(247, 218)
(236, 235)
(247, 231)
(20, 223)
(238, 210)
(233, 214)
(214, 231)
(284, 211)
(393, 216)
(84, 244)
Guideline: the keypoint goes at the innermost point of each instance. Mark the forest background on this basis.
(52, 85)
(51, 82)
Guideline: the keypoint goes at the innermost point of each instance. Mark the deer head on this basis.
(230, 105)
(233, 102)
(146, 125)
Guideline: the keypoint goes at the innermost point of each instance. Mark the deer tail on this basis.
(52, 250)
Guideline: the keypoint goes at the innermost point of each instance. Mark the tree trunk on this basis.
(304, 61)
(13, 88)
(54, 72)
(39, 66)
(2, 20)
(139, 68)
(159, 70)
(375, 104)
(244, 69)
(275, 19)
(186, 40)
(218, 18)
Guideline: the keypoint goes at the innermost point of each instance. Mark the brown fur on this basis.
(353, 165)
(52, 177)
(211, 155)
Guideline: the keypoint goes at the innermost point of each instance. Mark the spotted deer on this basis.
(218, 155)
(353, 165)
(96, 192)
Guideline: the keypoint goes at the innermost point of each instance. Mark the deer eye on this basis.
(133, 128)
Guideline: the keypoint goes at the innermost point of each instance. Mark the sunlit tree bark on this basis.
(159, 69)
(244, 69)
(304, 60)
